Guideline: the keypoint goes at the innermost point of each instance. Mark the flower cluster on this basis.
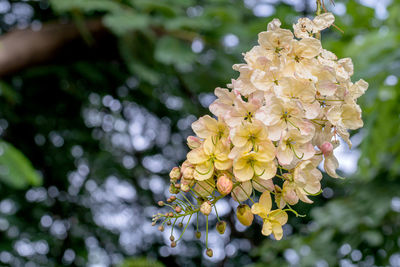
(273, 126)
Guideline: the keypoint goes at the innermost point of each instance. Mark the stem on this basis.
(187, 200)
(319, 9)
(216, 212)
(207, 233)
(197, 222)
(173, 225)
(205, 189)
(318, 12)
(184, 230)
(246, 193)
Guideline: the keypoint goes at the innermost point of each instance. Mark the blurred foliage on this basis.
(104, 129)
(16, 170)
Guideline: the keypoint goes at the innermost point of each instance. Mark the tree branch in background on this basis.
(20, 49)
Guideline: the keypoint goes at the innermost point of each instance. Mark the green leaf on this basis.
(85, 5)
(172, 51)
(124, 22)
(15, 169)
(8, 93)
(139, 262)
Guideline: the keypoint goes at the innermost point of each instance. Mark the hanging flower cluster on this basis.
(272, 128)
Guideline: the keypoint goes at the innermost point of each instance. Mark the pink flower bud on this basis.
(327, 148)
(224, 185)
(205, 208)
(175, 173)
(193, 142)
(188, 173)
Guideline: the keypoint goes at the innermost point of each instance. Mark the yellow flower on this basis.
(294, 144)
(209, 156)
(345, 116)
(272, 220)
(259, 163)
(208, 127)
(249, 135)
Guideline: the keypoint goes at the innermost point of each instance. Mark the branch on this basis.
(20, 49)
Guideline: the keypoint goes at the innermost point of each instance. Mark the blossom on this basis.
(208, 127)
(224, 102)
(249, 135)
(294, 144)
(242, 111)
(209, 156)
(287, 108)
(280, 116)
(272, 220)
(305, 27)
(304, 181)
(345, 116)
(301, 60)
(256, 163)
(276, 41)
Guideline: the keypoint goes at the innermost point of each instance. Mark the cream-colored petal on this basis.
(243, 174)
(330, 166)
(265, 201)
(284, 155)
(203, 171)
(277, 230)
(269, 171)
(266, 228)
(280, 216)
(309, 47)
(261, 184)
(266, 151)
(223, 165)
(258, 209)
(197, 156)
(323, 21)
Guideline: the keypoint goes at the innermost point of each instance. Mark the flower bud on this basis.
(160, 203)
(175, 174)
(326, 148)
(173, 189)
(188, 173)
(205, 208)
(209, 252)
(198, 235)
(224, 185)
(173, 244)
(161, 228)
(185, 187)
(193, 142)
(180, 225)
(172, 238)
(221, 226)
(244, 215)
(178, 209)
